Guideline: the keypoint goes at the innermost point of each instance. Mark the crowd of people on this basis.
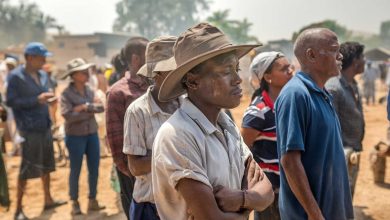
(177, 154)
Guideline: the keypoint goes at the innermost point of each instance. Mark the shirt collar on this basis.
(23, 74)
(344, 81)
(310, 84)
(223, 120)
(135, 80)
(267, 100)
(152, 105)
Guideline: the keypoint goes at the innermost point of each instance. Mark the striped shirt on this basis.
(260, 116)
(143, 119)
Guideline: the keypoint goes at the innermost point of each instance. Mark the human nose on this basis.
(236, 78)
(339, 56)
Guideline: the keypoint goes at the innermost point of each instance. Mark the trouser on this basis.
(127, 186)
(77, 147)
(353, 160)
(143, 211)
(271, 212)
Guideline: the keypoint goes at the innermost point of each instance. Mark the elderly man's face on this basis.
(329, 56)
(219, 83)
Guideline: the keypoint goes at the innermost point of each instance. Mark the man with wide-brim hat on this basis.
(201, 167)
(143, 119)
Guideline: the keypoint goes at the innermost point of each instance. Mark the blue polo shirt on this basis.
(22, 97)
(306, 121)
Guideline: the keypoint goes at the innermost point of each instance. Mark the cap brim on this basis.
(143, 70)
(165, 65)
(48, 54)
(171, 86)
(82, 67)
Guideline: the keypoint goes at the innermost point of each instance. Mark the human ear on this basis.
(310, 55)
(192, 81)
(268, 78)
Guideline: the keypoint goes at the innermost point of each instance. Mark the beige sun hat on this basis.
(194, 46)
(11, 61)
(158, 54)
(76, 64)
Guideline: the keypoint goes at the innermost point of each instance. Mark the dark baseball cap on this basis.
(37, 48)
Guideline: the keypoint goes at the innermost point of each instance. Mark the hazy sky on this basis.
(272, 19)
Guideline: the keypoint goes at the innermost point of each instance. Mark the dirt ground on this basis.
(371, 201)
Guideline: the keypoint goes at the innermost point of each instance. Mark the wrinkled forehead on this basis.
(328, 39)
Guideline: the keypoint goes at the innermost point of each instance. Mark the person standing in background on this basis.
(347, 102)
(273, 71)
(78, 106)
(28, 96)
(369, 78)
(313, 173)
(119, 97)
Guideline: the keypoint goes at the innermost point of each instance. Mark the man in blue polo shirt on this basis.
(28, 96)
(314, 179)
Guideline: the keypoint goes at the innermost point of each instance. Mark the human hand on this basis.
(228, 200)
(44, 96)
(255, 173)
(80, 108)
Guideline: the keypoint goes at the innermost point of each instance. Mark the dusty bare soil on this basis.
(371, 201)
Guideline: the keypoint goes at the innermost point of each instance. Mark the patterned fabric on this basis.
(120, 95)
(261, 117)
(142, 121)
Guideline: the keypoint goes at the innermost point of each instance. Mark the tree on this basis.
(23, 23)
(342, 32)
(237, 30)
(151, 18)
(385, 33)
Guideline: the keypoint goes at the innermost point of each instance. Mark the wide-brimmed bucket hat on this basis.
(158, 53)
(194, 46)
(77, 64)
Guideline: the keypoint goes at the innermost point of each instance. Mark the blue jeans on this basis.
(77, 147)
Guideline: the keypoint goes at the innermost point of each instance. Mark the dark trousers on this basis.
(127, 185)
(143, 211)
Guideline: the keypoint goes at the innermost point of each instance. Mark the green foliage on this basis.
(341, 31)
(23, 23)
(385, 29)
(238, 31)
(152, 18)
(369, 40)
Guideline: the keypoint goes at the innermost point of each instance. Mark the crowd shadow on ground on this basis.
(359, 213)
(383, 185)
(90, 216)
